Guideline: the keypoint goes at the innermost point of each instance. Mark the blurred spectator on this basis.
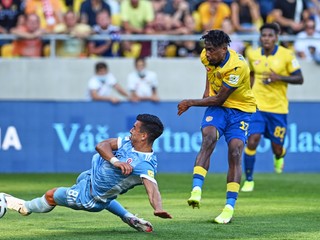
(29, 43)
(89, 10)
(266, 7)
(290, 14)
(136, 18)
(10, 12)
(188, 48)
(10, 16)
(178, 10)
(228, 2)
(306, 46)
(114, 6)
(314, 6)
(212, 13)
(164, 24)
(235, 44)
(100, 86)
(76, 45)
(50, 12)
(245, 16)
(105, 48)
(158, 5)
(143, 83)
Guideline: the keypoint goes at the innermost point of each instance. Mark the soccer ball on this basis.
(3, 205)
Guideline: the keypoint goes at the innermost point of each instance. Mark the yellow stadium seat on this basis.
(6, 50)
(46, 50)
(171, 50)
(135, 51)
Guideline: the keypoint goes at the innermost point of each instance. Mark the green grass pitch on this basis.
(285, 206)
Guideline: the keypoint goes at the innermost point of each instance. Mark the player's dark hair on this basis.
(101, 65)
(274, 26)
(152, 125)
(216, 38)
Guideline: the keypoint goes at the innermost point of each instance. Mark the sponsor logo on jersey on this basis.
(129, 160)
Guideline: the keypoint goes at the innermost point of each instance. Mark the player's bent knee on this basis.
(49, 197)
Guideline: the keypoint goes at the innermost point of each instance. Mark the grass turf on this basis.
(284, 206)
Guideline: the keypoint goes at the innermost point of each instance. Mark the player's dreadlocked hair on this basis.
(217, 38)
(152, 125)
(274, 26)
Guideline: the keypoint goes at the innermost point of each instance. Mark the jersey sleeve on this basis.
(293, 63)
(235, 77)
(146, 170)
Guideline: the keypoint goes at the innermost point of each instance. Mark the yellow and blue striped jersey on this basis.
(272, 97)
(233, 72)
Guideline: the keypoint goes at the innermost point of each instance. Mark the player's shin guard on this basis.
(232, 193)
(38, 205)
(199, 174)
(249, 161)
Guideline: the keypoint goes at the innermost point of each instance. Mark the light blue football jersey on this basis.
(107, 181)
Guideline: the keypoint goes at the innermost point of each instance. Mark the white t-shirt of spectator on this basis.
(302, 44)
(142, 83)
(103, 84)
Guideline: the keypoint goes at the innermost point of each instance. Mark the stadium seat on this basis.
(135, 51)
(46, 50)
(6, 50)
(171, 50)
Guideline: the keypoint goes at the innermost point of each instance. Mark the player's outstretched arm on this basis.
(155, 198)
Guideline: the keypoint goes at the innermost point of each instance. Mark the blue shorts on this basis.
(79, 196)
(231, 123)
(272, 125)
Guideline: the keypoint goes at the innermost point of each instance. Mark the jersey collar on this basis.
(225, 59)
(273, 52)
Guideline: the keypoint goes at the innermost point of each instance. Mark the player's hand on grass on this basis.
(126, 168)
(162, 214)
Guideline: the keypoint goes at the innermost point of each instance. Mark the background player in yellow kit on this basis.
(230, 104)
(272, 67)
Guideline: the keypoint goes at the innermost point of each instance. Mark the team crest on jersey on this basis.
(209, 118)
(208, 69)
(150, 173)
(234, 79)
(256, 62)
(129, 160)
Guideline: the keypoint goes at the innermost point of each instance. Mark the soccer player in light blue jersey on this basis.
(119, 165)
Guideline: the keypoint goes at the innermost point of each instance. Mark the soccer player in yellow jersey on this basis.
(230, 104)
(272, 67)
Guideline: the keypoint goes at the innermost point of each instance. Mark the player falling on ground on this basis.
(230, 104)
(119, 165)
(272, 68)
